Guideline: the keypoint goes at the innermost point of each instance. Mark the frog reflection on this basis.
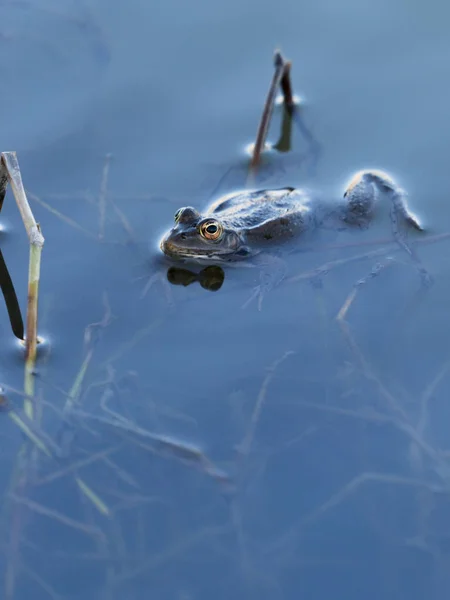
(211, 278)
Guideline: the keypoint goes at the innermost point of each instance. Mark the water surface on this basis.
(340, 481)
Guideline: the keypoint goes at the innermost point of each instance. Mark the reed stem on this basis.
(281, 77)
(10, 169)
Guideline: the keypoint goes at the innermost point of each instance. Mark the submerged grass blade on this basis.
(56, 515)
(102, 197)
(92, 496)
(29, 433)
(75, 390)
(245, 445)
(62, 216)
(74, 395)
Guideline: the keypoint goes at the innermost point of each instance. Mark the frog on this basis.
(243, 224)
(240, 224)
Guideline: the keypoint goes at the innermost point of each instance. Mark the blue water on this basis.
(338, 457)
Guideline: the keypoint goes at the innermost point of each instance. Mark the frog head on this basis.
(199, 237)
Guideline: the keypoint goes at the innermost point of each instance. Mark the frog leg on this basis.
(362, 193)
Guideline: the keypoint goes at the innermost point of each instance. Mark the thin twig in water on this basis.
(364, 414)
(62, 216)
(328, 266)
(376, 270)
(76, 466)
(31, 430)
(137, 337)
(378, 252)
(403, 422)
(428, 395)
(123, 219)
(162, 445)
(121, 473)
(57, 516)
(245, 445)
(74, 394)
(181, 547)
(102, 197)
(90, 343)
(351, 487)
(132, 502)
(423, 420)
(348, 490)
(41, 583)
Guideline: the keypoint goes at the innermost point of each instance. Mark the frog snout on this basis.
(171, 243)
(165, 244)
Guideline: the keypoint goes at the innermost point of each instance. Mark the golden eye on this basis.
(177, 215)
(211, 230)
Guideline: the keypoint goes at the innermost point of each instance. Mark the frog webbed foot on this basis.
(361, 195)
(272, 272)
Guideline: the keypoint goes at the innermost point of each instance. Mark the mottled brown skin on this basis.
(241, 224)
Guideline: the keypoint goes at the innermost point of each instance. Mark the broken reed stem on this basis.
(10, 168)
(280, 77)
(3, 185)
(10, 173)
(264, 123)
(34, 271)
(286, 86)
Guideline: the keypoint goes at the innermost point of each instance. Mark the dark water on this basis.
(341, 478)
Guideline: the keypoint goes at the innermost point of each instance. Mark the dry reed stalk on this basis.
(281, 77)
(10, 172)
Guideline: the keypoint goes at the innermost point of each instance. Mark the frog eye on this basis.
(177, 215)
(211, 230)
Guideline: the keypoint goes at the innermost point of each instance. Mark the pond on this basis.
(201, 444)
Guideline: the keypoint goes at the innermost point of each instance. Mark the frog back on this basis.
(265, 214)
